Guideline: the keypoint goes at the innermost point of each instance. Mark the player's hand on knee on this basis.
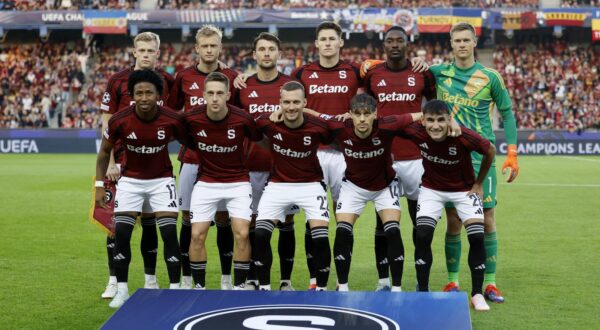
(277, 116)
(419, 64)
(240, 81)
(113, 173)
(511, 164)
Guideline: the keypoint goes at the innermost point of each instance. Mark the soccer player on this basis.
(398, 89)
(296, 179)
(471, 91)
(330, 84)
(369, 177)
(188, 92)
(220, 131)
(145, 130)
(261, 96)
(146, 47)
(449, 177)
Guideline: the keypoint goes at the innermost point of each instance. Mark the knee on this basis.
(241, 235)
(391, 229)
(198, 238)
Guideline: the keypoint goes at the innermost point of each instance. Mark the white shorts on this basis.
(353, 198)
(258, 181)
(187, 179)
(431, 203)
(278, 197)
(160, 195)
(333, 165)
(146, 206)
(206, 198)
(409, 173)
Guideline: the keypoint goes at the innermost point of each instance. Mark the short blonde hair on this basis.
(147, 36)
(209, 31)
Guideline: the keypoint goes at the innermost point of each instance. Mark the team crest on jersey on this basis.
(452, 151)
(106, 97)
(160, 134)
(342, 74)
(411, 81)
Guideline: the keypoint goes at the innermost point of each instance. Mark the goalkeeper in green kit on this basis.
(471, 90)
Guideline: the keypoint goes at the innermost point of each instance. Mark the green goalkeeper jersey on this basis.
(471, 95)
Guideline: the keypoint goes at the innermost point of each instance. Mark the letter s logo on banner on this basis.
(271, 317)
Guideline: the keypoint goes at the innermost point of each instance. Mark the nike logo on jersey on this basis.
(314, 75)
(202, 133)
(132, 136)
(381, 83)
(253, 95)
(194, 86)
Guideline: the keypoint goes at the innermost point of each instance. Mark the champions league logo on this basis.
(288, 316)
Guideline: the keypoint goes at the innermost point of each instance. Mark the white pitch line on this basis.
(573, 185)
(582, 158)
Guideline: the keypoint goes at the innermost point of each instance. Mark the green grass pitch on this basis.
(53, 261)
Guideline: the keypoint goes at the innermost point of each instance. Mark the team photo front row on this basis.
(294, 138)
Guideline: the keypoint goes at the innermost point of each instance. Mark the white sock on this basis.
(396, 289)
(313, 280)
(384, 281)
(343, 287)
(174, 286)
(112, 280)
(122, 287)
(265, 287)
(321, 288)
(226, 278)
(150, 278)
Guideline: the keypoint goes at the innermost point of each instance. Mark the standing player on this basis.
(146, 47)
(369, 177)
(188, 92)
(145, 129)
(261, 96)
(220, 132)
(471, 91)
(296, 179)
(398, 89)
(449, 177)
(330, 84)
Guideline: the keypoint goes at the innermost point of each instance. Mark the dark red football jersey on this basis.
(117, 97)
(257, 98)
(399, 92)
(294, 151)
(329, 90)
(146, 144)
(188, 92)
(447, 164)
(368, 160)
(221, 143)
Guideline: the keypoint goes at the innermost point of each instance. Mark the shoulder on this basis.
(493, 74)
(239, 113)
(317, 122)
(170, 113)
(229, 73)
(121, 115)
(185, 71)
(164, 74)
(195, 111)
(437, 68)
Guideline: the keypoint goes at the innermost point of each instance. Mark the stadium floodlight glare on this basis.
(228, 32)
(558, 31)
(133, 30)
(273, 29)
(509, 33)
(185, 32)
(43, 31)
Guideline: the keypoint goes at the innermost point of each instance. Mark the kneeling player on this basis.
(449, 177)
(369, 176)
(220, 131)
(296, 178)
(145, 130)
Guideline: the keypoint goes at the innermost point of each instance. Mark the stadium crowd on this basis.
(275, 4)
(554, 86)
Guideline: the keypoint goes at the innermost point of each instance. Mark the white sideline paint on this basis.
(572, 185)
(581, 158)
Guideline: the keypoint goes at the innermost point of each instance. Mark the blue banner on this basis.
(237, 310)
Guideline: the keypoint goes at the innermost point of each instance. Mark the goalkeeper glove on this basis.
(511, 163)
(367, 65)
